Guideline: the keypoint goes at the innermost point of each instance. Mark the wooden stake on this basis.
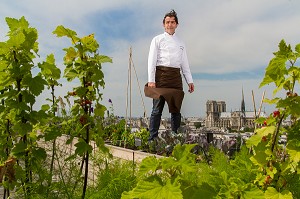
(261, 102)
(254, 104)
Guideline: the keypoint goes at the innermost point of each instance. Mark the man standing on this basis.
(166, 61)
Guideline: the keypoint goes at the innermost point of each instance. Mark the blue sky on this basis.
(229, 43)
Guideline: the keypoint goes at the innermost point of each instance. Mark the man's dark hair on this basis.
(172, 13)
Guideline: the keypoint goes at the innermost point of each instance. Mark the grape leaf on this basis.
(35, 84)
(255, 139)
(89, 43)
(49, 69)
(154, 190)
(148, 164)
(82, 147)
(61, 31)
(293, 149)
(272, 193)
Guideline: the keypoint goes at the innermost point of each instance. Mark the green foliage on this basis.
(114, 131)
(276, 163)
(113, 180)
(129, 139)
(20, 124)
(156, 189)
(262, 169)
(83, 62)
(22, 128)
(160, 178)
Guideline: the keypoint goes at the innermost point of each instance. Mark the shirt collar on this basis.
(167, 34)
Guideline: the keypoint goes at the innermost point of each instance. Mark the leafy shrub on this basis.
(113, 180)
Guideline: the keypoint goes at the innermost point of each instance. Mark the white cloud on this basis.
(238, 35)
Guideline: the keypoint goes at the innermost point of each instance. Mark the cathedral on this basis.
(216, 116)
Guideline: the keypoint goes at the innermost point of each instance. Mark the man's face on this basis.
(170, 25)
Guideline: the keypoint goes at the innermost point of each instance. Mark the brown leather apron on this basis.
(169, 86)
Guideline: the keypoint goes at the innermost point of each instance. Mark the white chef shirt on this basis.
(168, 50)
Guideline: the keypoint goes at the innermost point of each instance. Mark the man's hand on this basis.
(191, 87)
(151, 84)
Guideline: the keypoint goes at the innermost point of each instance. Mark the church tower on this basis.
(213, 112)
(243, 109)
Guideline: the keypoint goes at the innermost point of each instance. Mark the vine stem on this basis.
(25, 141)
(53, 144)
(274, 139)
(79, 174)
(87, 140)
(7, 154)
(85, 174)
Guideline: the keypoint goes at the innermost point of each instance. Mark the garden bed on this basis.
(129, 154)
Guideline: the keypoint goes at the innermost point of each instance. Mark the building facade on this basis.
(216, 116)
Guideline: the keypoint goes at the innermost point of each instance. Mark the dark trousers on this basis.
(155, 118)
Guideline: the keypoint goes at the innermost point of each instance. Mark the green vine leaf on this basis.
(28, 97)
(36, 84)
(253, 192)
(70, 74)
(103, 59)
(272, 193)
(99, 110)
(183, 160)
(254, 140)
(291, 104)
(17, 40)
(21, 36)
(235, 187)
(202, 191)
(155, 190)
(49, 69)
(275, 72)
(148, 164)
(16, 25)
(3, 64)
(70, 56)
(183, 152)
(224, 176)
(39, 153)
(51, 133)
(45, 107)
(293, 149)
(260, 158)
(297, 49)
(19, 149)
(285, 51)
(89, 43)
(31, 41)
(22, 128)
(82, 147)
(61, 31)
(97, 75)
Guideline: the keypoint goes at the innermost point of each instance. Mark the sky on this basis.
(229, 44)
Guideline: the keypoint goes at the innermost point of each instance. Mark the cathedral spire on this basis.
(243, 102)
